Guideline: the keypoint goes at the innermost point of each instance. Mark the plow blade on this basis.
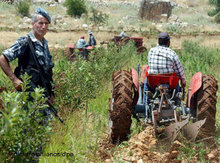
(173, 130)
(191, 130)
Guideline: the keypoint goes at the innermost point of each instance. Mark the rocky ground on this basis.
(144, 147)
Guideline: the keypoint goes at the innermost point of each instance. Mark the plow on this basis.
(164, 107)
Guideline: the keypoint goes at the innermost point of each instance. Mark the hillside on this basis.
(181, 25)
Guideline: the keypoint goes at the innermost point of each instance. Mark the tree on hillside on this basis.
(216, 11)
(23, 8)
(98, 17)
(75, 7)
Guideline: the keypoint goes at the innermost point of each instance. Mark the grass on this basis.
(189, 151)
(81, 132)
(196, 14)
(197, 58)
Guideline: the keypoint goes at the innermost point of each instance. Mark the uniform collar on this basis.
(34, 39)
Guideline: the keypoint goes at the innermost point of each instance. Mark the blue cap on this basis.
(42, 12)
(89, 32)
(164, 35)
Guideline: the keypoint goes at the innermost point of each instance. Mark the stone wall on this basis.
(155, 10)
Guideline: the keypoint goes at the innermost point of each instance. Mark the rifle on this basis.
(52, 108)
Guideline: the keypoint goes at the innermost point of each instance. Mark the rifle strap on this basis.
(36, 61)
(33, 53)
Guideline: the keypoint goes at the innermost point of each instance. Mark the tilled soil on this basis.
(144, 147)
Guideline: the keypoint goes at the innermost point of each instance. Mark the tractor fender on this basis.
(134, 76)
(195, 84)
(90, 47)
(144, 72)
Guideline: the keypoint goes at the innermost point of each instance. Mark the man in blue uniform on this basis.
(33, 57)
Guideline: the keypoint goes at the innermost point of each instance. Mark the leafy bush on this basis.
(23, 7)
(215, 12)
(75, 7)
(98, 18)
(21, 135)
(79, 81)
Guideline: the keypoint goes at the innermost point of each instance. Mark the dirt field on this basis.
(62, 39)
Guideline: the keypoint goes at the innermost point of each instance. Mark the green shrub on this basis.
(81, 80)
(75, 7)
(23, 7)
(98, 17)
(21, 135)
(216, 11)
(217, 18)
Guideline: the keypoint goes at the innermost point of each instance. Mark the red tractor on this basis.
(72, 52)
(168, 115)
(122, 40)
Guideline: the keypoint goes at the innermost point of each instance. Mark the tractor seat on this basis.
(156, 79)
(90, 47)
(72, 46)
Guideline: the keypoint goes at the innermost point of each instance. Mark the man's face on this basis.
(40, 26)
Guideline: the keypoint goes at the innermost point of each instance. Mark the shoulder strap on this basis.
(33, 53)
(37, 63)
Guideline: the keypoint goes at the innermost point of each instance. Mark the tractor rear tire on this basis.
(206, 100)
(120, 106)
(123, 42)
(141, 49)
(70, 54)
